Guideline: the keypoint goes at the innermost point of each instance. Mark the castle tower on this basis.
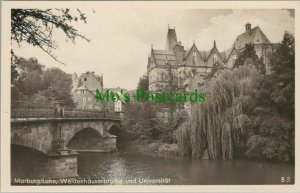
(171, 39)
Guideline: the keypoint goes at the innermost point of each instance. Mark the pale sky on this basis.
(121, 40)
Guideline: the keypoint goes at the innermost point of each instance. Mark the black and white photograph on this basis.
(127, 96)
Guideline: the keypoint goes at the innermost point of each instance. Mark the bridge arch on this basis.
(89, 134)
(71, 129)
(38, 137)
(27, 148)
(85, 138)
(114, 130)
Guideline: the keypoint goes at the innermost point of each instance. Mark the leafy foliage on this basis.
(32, 82)
(143, 121)
(247, 113)
(218, 125)
(249, 52)
(274, 123)
(283, 76)
(139, 119)
(272, 140)
(143, 83)
(35, 27)
(170, 84)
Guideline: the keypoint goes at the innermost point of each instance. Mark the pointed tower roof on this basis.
(171, 39)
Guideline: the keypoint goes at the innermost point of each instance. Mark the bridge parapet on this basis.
(20, 110)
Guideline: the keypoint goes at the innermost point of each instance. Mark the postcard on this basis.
(152, 96)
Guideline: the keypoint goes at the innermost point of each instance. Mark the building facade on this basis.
(119, 105)
(175, 61)
(84, 90)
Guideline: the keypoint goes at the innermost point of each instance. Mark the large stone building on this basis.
(84, 90)
(175, 61)
(84, 93)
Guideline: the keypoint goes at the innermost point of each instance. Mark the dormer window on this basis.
(215, 57)
(194, 58)
(84, 79)
(234, 56)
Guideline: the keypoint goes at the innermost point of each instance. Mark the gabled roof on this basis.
(171, 39)
(227, 53)
(82, 87)
(204, 54)
(162, 56)
(223, 55)
(255, 36)
(211, 50)
(94, 81)
(189, 50)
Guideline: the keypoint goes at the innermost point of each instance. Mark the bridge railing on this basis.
(83, 113)
(31, 110)
(21, 110)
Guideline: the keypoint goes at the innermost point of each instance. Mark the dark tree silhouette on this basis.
(283, 76)
(143, 83)
(249, 52)
(35, 27)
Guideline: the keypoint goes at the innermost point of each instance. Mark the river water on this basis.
(138, 168)
(132, 168)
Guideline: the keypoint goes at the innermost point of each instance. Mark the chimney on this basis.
(248, 27)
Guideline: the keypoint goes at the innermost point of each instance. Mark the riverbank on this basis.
(154, 147)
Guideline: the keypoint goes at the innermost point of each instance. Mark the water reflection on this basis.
(181, 170)
(132, 168)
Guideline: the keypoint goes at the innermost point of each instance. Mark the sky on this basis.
(121, 40)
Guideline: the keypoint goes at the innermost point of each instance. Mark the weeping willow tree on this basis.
(218, 125)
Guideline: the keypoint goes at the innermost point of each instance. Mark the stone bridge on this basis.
(60, 132)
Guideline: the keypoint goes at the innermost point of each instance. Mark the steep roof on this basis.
(226, 53)
(189, 50)
(204, 54)
(255, 36)
(223, 55)
(93, 81)
(83, 87)
(208, 53)
(163, 56)
(171, 39)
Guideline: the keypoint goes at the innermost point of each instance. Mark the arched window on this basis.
(162, 76)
